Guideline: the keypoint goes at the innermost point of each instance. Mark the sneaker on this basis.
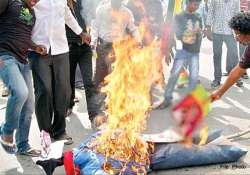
(239, 83)
(215, 84)
(166, 103)
(67, 139)
(245, 76)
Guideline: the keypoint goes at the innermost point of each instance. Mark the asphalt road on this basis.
(231, 114)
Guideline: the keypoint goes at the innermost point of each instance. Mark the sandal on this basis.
(31, 152)
(7, 146)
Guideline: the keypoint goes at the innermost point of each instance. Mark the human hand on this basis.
(216, 95)
(86, 38)
(208, 33)
(42, 50)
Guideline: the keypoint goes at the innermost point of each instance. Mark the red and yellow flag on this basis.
(190, 112)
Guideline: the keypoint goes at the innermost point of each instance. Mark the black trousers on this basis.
(105, 57)
(82, 55)
(52, 91)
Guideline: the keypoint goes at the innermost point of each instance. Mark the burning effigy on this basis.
(120, 148)
(128, 105)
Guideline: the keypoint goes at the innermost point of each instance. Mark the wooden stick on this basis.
(239, 134)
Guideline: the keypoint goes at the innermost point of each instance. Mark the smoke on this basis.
(155, 12)
(88, 10)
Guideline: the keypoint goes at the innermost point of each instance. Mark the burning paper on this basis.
(190, 112)
(45, 142)
(50, 150)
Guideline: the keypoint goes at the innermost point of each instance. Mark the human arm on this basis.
(95, 27)
(39, 49)
(209, 20)
(94, 33)
(71, 21)
(177, 27)
(73, 24)
(234, 75)
(132, 28)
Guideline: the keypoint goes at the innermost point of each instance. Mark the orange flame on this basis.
(128, 100)
(203, 135)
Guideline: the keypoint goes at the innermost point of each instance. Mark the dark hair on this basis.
(241, 22)
(189, 1)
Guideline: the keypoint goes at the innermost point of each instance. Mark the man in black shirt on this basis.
(241, 27)
(80, 54)
(17, 20)
(188, 26)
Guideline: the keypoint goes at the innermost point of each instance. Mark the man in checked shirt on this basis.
(219, 14)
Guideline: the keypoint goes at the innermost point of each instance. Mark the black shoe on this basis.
(67, 139)
(239, 83)
(215, 84)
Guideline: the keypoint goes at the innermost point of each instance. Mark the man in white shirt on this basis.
(112, 22)
(51, 68)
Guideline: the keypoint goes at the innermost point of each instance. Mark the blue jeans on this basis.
(183, 58)
(232, 54)
(20, 106)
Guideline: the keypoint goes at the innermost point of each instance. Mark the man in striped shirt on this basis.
(219, 14)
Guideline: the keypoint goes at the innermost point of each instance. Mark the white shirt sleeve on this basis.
(71, 21)
(132, 28)
(95, 28)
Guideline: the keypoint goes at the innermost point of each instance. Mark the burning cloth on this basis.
(165, 156)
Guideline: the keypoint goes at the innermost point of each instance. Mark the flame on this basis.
(203, 135)
(128, 100)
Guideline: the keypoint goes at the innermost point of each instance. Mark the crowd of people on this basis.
(50, 39)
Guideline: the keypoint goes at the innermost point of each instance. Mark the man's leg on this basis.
(73, 58)
(62, 93)
(85, 63)
(217, 49)
(101, 67)
(232, 53)
(193, 62)
(178, 64)
(14, 80)
(42, 77)
(24, 121)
